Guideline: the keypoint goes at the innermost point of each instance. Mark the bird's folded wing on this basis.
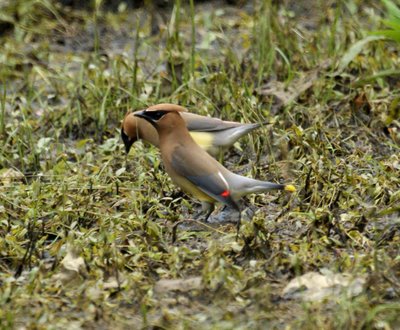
(198, 173)
(196, 123)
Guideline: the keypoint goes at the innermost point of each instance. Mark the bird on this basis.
(194, 170)
(212, 134)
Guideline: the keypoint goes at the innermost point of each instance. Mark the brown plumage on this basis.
(212, 134)
(194, 170)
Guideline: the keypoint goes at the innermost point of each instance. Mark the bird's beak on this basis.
(127, 141)
(143, 114)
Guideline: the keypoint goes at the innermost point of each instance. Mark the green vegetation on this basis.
(85, 231)
(393, 21)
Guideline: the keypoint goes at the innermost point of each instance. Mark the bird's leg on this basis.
(207, 209)
(198, 214)
(239, 222)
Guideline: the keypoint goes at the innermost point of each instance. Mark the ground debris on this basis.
(314, 286)
(182, 285)
(286, 93)
(72, 267)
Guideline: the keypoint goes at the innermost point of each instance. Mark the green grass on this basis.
(67, 189)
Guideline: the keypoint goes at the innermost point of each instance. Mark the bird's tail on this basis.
(242, 185)
(228, 137)
(239, 131)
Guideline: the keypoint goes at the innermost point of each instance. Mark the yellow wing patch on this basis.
(204, 140)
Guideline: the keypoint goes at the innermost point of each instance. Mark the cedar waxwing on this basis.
(194, 170)
(212, 134)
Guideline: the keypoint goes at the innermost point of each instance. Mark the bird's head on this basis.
(130, 131)
(161, 115)
(134, 128)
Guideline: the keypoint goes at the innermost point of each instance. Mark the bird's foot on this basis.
(200, 217)
(230, 215)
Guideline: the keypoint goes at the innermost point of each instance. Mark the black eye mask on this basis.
(156, 115)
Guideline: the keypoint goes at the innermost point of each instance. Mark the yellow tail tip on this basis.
(290, 188)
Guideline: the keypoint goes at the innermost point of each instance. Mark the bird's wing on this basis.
(204, 176)
(197, 123)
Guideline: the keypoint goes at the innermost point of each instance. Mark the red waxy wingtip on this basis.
(225, 193)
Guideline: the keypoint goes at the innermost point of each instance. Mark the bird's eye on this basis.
(158, 114)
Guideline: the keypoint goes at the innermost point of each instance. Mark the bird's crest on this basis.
(167, 107)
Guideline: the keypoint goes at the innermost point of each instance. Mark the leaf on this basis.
(389, 34)
(72, 267)
(82, 143)
(393, 10)
(43, 144)
(315, 286)
(286, 94)
(110, 145)
(377, 75)
(354, 50)
(120, 171)
(394, 24)
(8, 175)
